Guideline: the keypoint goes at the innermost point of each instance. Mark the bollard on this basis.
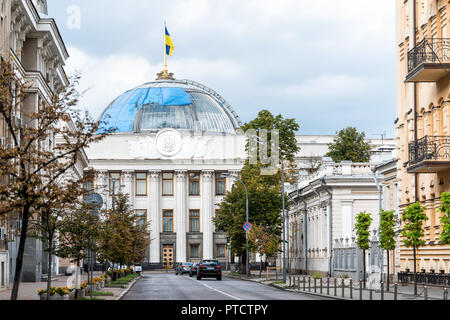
(395, 290)
(351, 289)
(360, 290)
(328, 285)
(335, 287)
(343, 288)
(304, 284)
(309, 284)
(370, 294)
(315, 285)
(445, 294)
(321, 285)
(425, 292)
(382, 290)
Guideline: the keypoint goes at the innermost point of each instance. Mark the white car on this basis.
(137, 268)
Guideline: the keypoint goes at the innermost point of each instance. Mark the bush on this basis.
(345, 276)
(317, 275)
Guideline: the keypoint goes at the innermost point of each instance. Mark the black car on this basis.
(183, 268)
(193, 269)
(209, 269)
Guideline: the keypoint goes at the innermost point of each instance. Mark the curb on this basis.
(290, 290)
(129, 287)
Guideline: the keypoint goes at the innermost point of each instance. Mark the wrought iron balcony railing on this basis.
(429, 50)
(429, 148)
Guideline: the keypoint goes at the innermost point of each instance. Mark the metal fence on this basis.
(436, 50)
(425, 278)
(429, 148)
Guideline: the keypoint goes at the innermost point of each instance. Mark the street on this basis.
(168, 286)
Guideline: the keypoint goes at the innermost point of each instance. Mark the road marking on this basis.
(224, 293)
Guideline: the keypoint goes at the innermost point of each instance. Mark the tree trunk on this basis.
(415, 271)
(388, 270)
(49, 270)
(19, 259)
(364, 268)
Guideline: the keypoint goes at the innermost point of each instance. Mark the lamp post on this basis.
(261, 142)
(226, 175)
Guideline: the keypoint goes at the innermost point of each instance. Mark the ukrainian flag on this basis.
(169, 44)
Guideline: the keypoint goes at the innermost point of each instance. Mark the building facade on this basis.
(423, 122)
(31, 42)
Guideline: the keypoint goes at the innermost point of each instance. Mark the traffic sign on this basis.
(247, 226)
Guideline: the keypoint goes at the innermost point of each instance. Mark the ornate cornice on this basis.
(155, 175)
(181, 175)
(208, 175)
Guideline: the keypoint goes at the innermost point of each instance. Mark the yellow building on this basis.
(423, 122)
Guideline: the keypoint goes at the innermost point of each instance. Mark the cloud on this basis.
(105, 78)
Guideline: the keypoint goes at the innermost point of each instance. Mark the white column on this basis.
(128, 179)
(101, 183)
(208, 193)
(347, 219)
(155, 216)
(181, 214)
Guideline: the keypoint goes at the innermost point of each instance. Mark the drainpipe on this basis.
(380, 207)
(330, 227)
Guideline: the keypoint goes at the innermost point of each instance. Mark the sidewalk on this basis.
(404, 292)
(28, 291)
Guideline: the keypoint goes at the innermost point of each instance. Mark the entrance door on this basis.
(168, 256)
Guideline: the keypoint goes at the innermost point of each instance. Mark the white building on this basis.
(174, 140)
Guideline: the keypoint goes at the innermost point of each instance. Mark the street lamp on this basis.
(227, 175)
(263, 143)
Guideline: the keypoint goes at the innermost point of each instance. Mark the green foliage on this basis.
(317, 275)
(265, 203)
(445, 219)
(287, 129)
(413, 218)
(363, 221)
(350, 145)
(387, 230)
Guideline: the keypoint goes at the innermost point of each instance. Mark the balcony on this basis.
(430, 154)
(429, 61)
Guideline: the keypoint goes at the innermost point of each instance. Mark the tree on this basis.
(363, 221)
(387, 235)
(264, 208)
(445, 219)
(287, 129)
(78, 233)
(122, 241)
(349, 145)
(29, 157)
(263, 241)
(413, 218)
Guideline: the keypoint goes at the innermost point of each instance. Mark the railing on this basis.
(429, 51)
(426, 278)
(429, 148)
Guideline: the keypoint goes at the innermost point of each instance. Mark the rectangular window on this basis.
(194, 220)
(194, 184)
(221, 251)
(167, 184)
(141, 184)
(141, 218)
(114, 183)
(89, 186)
(194, 251)
(220, 184)
(167, 220)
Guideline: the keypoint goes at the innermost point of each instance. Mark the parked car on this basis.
(193, 269)
(183, 268)
(209, 269)
(137, 268)
(70, 270)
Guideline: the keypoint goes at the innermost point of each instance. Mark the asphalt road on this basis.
(162, 286)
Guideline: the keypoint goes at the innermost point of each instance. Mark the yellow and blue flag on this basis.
(169, 44)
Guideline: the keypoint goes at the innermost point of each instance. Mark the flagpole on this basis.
(165, 48)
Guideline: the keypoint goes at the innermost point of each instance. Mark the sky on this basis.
(329, 64)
